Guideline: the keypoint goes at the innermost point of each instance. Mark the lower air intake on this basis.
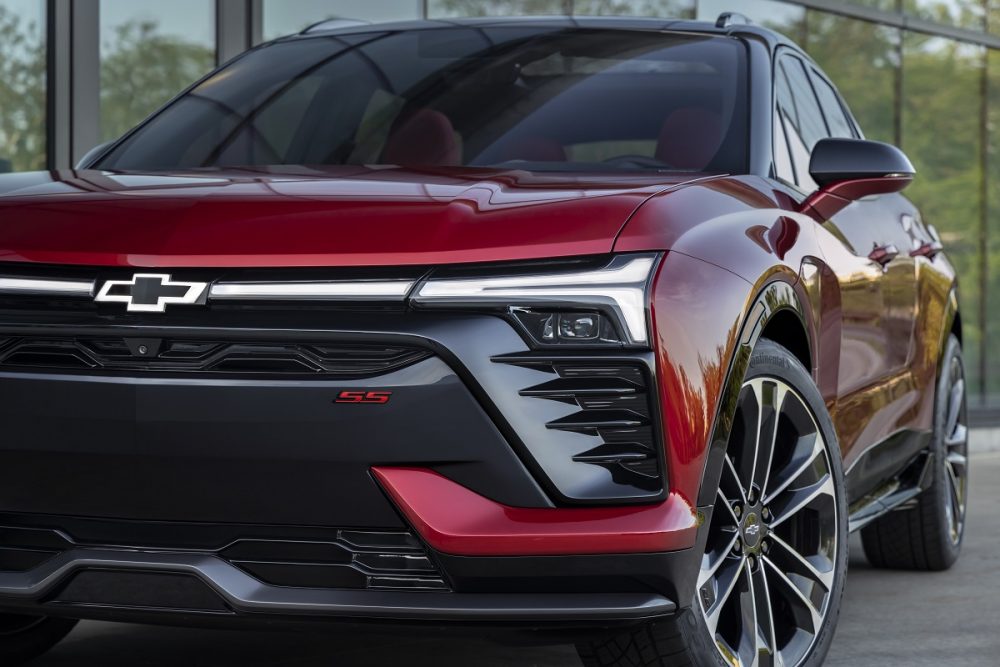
(615, 412)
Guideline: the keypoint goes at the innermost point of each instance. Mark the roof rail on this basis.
(333, 24)
(727, 19)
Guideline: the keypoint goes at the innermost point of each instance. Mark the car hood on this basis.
(345, 216)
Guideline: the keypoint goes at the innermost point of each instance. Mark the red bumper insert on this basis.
(455, 520)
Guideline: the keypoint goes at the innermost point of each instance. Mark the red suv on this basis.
(591, 328)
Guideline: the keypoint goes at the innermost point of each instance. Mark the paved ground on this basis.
(889, 619)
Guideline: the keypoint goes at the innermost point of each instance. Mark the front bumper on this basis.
(89, 582)
(144, 486)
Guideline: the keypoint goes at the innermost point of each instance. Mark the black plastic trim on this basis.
(243, 594)
(673, 574)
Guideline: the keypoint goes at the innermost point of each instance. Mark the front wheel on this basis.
(772, 575)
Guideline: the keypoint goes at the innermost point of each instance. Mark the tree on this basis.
(665, 8)
(141, 70)
(22, 93)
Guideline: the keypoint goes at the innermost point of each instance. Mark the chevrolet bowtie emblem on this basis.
(150, 292)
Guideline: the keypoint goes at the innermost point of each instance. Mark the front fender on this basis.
(706, 323)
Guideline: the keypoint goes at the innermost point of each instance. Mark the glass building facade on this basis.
(924, 74)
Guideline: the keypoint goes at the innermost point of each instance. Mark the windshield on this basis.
(519, 97)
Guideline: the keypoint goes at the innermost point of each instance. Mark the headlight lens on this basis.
(560, 307)
(558, 328)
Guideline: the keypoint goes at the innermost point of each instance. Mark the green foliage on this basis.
(862, 59)
(964, 13)
(141, 69)
(665, 8)
(941, 108)
(497, 7)
(22, 92)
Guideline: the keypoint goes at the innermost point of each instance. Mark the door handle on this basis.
(929, 249)
(884, 254)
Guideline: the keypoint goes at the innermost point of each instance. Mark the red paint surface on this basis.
(725, 238)
(695, 338)
(346, 216)
(455, 520)
(830, 200)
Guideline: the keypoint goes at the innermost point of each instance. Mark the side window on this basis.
(803, 124)
(836, 118)
(783, 167)
(811, 124)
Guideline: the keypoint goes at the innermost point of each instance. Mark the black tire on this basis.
(24, 638)
(923, 536)
(686, 639)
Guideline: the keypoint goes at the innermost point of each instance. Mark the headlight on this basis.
(603, 305)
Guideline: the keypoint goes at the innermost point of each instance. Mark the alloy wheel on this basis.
(769, 566)
(956, 451)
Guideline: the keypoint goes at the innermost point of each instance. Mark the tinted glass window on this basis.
(783, 167)
(532, 98)
(796, 144)
(836, 119)
(808, 117)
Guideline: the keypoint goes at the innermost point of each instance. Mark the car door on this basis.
(864, 244)
(895, 234)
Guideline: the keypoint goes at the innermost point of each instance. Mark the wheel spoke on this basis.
(957, 437)
(727, 579)
(731, 481)
(796, 598)
(728, 513)
(956, 493)
(792, 501)
(958, 461)
(765, 616)
(801, 462)
(788, 556)
(751, 410)
(749, 648)
(954, 406)
(769, 399)
(715, 561)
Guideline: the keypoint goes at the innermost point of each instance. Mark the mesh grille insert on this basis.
(214, 356)
(351, 559)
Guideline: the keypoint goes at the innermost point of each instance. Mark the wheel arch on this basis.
(952, 324)
(776, 313)
(956, 317)
(787, 328)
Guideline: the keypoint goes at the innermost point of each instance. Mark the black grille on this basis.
(355, 559)
(615, 408)
(147, 590)
(204, 356)
(350, 559)
(23, 549)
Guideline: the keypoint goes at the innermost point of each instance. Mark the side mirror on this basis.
(5, 166)
(848, 169)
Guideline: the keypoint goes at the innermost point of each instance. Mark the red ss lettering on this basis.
(375, 397)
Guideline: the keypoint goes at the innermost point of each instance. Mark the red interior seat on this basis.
(690, 138)
(424, 137)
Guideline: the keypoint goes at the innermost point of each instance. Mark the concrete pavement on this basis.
(889, 619)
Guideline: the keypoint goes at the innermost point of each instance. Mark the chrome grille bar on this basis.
(45, 286)
(395, 290)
